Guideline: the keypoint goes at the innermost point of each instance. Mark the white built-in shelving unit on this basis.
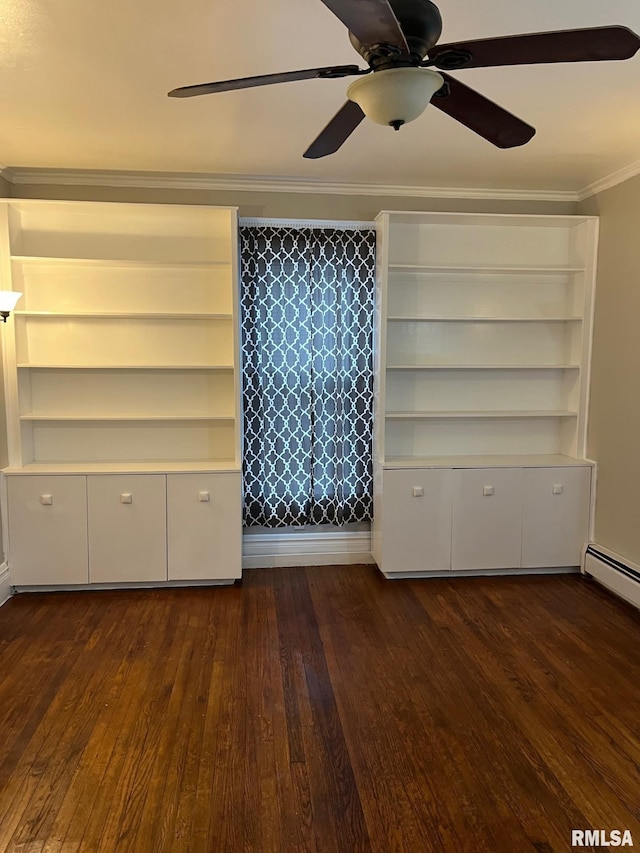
(483, 344)
(125, 343)
(122, 355)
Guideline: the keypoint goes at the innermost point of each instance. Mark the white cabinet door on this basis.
(127, 527)
(416, 521)
(487, 518)
(47, 520)
(204, 526)
(555, 519)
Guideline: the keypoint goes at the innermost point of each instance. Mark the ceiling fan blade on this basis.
(336, 132)
(588, 45)
(481, 115)
(329, 72)
(370, 21)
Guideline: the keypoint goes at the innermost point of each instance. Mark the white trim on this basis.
(482, 573)
(592, 503)
(610, 181)
(271, 184)
(589, 307)
(275, 184)
(5, 584)
(343, 225)
(92, 587)
(269, 550)
(610, 577)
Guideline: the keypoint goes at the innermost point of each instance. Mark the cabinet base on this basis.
(478, 573)
(92, 587)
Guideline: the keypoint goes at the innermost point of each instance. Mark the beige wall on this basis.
(289, 205)
(614, 421)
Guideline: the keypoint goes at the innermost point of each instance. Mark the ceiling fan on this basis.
(407, 70)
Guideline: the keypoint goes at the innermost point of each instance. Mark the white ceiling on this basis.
(84, 86)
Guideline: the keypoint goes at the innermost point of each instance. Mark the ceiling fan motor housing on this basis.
(421, 24)
(398, 39)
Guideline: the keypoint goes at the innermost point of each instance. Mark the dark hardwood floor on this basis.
(320, 709)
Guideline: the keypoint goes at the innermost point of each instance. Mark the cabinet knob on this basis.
(204, 497)
(487, 490)
(558, 488)
(418, 491)
(126, 498)
(46, 500)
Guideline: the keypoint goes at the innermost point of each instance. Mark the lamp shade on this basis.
(395, 96)
(8, 299)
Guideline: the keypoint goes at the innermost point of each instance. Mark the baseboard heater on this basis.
(618, 574)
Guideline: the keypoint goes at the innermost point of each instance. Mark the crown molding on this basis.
(609, 181)
(273, 184)
(256, 183)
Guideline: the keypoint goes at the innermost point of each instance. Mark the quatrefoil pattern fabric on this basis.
(307, 340)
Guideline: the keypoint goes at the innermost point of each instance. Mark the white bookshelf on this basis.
(484, 334)
(124, 345)
(483, 340)
(122, 387)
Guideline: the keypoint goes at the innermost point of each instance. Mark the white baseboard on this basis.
(5, 584)
(270, 550)
(615, 572)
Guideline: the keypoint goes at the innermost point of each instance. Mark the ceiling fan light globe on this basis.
(396, 94)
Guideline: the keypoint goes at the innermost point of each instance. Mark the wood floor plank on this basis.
(432, 768)
(125, 710)
(192, 725)
(319, 709)
(389, 798)
(51, 742)
(551, 686)
(492, 730)
(223, 616)
(524, 710)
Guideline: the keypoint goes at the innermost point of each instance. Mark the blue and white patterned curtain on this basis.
(307, 327)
